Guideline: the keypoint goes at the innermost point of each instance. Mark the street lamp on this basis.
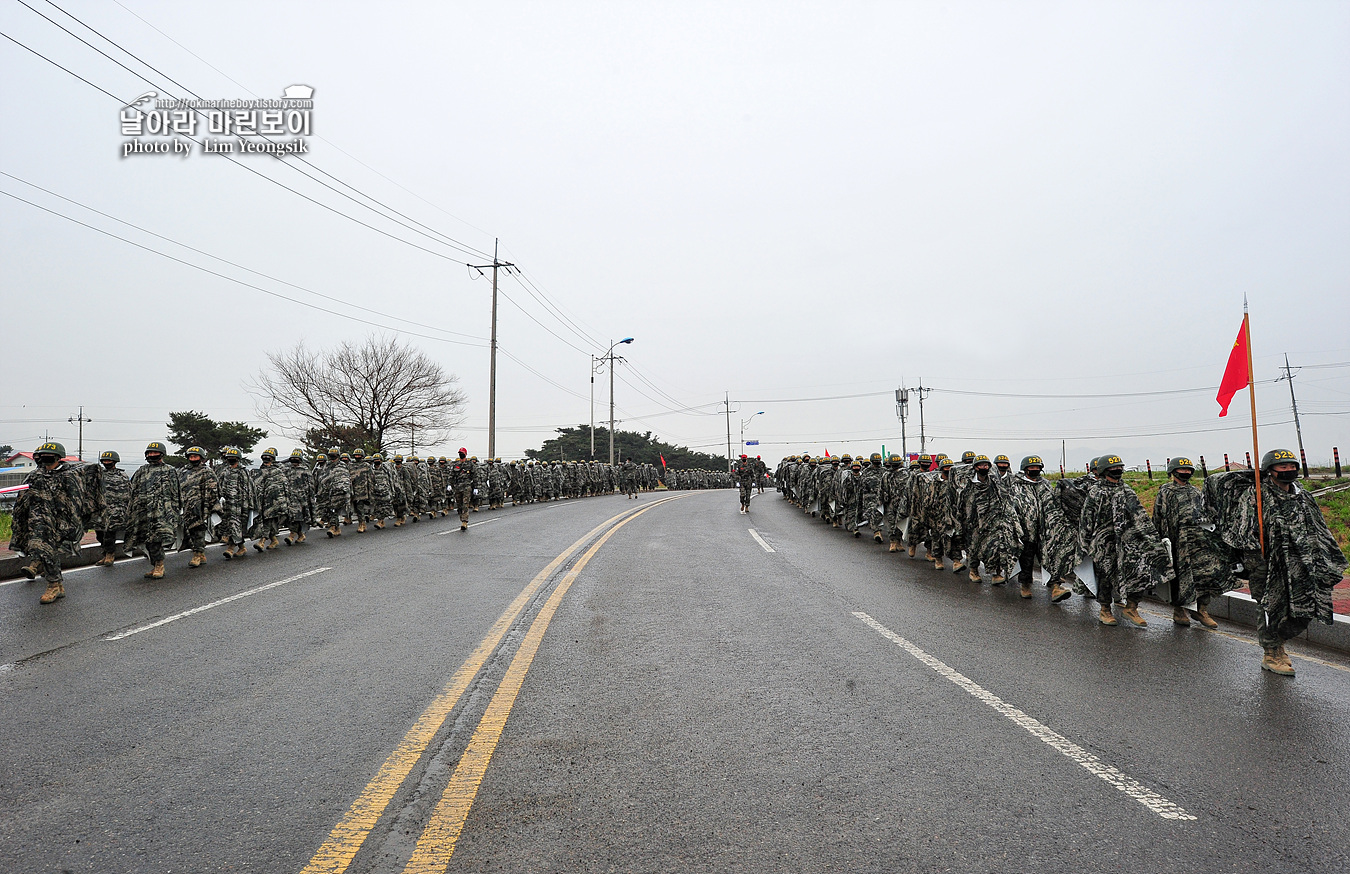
(595, 368)
(743, 426)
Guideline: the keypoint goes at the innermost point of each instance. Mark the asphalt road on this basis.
(569, 688)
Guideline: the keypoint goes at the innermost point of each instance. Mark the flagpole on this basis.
(1256, 450)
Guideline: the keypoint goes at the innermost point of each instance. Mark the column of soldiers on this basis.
(987, 520)
(161, 509)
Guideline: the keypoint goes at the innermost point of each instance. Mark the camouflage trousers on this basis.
(231, 528)
(1275, 625)
(195, 537)
(47, 556)
(361, 510)
(108, 539)
(462, 496)
(745, 494)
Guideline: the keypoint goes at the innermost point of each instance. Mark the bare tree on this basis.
(380, 392)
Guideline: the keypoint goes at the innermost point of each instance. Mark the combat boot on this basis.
(1105, 616)
(857, 533)
(1058, 593)
(300, 538)
(198, 558)
(240, 551)
(398, 522)
(975, 576)
(1026, 590)
(54, 591)
(998, 579)
(464, 526)
(877, 537)
(1131, 612)
(1202, 613)
(913, 548)
(105, 561)
(272, 543)
(1277, 661)
(1180, 616)
(156, 572)
(361, 527)
(379, 523)
(31, 570)
(346, 520)
(895, 547)
(259, 545)
(958, 565)
(414, 518)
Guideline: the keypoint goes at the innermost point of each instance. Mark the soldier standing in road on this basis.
(335, 491)
(894, 497)
(383, 483)
(745, 475)
(1293, 577)
(1047, 534)
(236, 502)
(1203, 562)
(401, 475)
(991, 523)
(46, 522)
(200, 491)
(461, 486)
(300, 497)
(362, 482)
(271, 487)
(869, 497)
(116, 497)
(156, 509)
(1128, 556)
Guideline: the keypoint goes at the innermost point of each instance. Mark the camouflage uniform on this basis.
(156, 511)
(1128, 555)
(334, 486)
(271, 487)
(426, 494)
(362, 483)
(480, 481)
(991, 522)
(236, 502)
(412, 487)
(1047, 533)
(116, 487)
(1203, 562)
(383, 484)
(46, 523)
(894, 496)
(200, 492)
(497, 481)
(629, 479)
(300, 497)
(461, 488)
(848, 496)
(745, 476)
(1293, 580)
(870, 511)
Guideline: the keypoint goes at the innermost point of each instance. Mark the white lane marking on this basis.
(760, 540)
(471, 525)
(195, 610)
(1093, 765)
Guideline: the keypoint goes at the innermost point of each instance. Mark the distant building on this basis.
(24, 460)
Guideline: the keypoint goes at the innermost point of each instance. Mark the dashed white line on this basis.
(195, 610)
(1093, 765)
(760, 540)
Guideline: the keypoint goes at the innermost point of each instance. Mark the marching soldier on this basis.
(200, 490)
(1203, 562)
(461, 486)
(1128, 556)
(46, 522)
(236, 502)
(156, 505)
(116, 498)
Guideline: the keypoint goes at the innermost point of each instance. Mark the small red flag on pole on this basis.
(1237, 375)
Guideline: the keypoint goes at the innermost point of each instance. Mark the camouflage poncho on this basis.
(116, 499)
(1118, 534)
(271, 489)
(200, 491)
(1203, 562)
(1045, 522)
(383, 484)
(300, 494)
(48, 512)
(990, 519)
(156, 506)
(1303, 561)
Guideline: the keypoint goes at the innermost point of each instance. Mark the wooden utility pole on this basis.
(79, 453)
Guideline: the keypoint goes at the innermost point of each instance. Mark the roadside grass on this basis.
(6, 521)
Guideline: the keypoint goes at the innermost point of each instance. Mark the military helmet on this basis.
(414, 459)
(856, 465)
(1092, 465)
(894, 460)
(942, 456)
(52, 448)
(269, 453)
(398, 459)
(230, 452)
(968, 457)
(1002, 458)
(875, 458)
(846, 457)
(376, 457)
(333, 452)
(110, 455)
(979, 458)
(444, 460)
(473, 457)
(297, 453)
(1106, 462)
(946, 464)
(1175, 464)
(156, 446)
(321, 459)
(926, 460)
(1031, 461)
(1277, 456)
(359, 454)
(346, 457)
(194, 450)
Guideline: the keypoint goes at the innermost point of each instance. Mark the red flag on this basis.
(663, 460)
(827, 453)
(1236, 375)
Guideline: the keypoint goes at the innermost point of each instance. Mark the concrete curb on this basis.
(89, 553)
(1242, 609)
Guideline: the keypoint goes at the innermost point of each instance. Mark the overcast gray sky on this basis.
(779, 201)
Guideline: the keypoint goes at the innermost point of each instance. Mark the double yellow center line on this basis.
(437, 843)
